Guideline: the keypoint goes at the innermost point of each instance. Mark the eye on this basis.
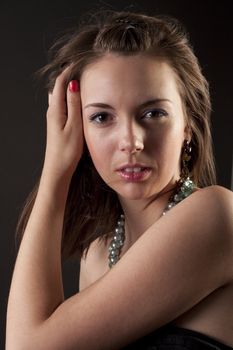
(154, 113)
(99, 118)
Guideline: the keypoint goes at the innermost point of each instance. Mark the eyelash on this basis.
(158, 111)
(94, 117)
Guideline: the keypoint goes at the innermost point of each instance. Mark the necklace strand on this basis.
(184, 189)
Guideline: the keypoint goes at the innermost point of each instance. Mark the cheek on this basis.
(173, 151)
(166, 144)
(100, 147)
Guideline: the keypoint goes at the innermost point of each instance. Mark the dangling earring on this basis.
(185, 185)
(185, 158)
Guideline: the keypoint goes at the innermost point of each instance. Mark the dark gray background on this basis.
(27, 30)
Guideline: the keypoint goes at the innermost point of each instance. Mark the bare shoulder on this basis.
(216, 190)
(215, 200)
(208, 214)
(221, 192)
(212, 207)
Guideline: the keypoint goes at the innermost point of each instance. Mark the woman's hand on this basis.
(64, 145)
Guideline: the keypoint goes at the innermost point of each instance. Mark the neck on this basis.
(141, 214)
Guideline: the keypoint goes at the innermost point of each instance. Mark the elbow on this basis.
(21, 340)
(15, 343)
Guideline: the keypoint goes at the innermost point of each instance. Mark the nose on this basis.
(131, 140)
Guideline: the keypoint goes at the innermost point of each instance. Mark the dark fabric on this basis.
(171, 337)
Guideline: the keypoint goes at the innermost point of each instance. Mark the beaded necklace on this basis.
(185, 188)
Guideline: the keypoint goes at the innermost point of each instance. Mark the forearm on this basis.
(37, 288)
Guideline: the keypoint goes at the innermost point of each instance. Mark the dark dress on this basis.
(170, 337)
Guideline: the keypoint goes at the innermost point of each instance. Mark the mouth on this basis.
(134, 173)
(133, 169)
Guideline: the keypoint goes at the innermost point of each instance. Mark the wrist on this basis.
(54, 188)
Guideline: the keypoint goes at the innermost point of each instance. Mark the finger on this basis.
(57, 100)
(73, 103)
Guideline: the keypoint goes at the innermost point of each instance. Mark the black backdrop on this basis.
(27, 29)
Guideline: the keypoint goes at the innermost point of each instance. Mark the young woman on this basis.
(128, 186)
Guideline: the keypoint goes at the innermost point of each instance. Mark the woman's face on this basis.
(133, 123)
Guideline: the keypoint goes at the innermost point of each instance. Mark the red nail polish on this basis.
(73, 86)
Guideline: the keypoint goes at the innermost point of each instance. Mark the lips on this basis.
(134, 172)
(133, 167)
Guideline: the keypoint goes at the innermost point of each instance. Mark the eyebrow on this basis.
(142, 105)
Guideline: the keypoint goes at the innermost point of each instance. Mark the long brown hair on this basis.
(126, 33)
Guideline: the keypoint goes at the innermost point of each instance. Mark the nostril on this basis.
(139, 145)
(132, 149)
(131, 145)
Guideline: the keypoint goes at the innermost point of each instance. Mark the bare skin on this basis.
(143, 81)
(190, 244)
(211, 316)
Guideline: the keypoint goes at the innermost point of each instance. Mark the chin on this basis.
(133, 193)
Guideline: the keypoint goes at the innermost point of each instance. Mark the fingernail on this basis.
(73, 86)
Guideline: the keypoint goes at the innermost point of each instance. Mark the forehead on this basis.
(136, 75)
